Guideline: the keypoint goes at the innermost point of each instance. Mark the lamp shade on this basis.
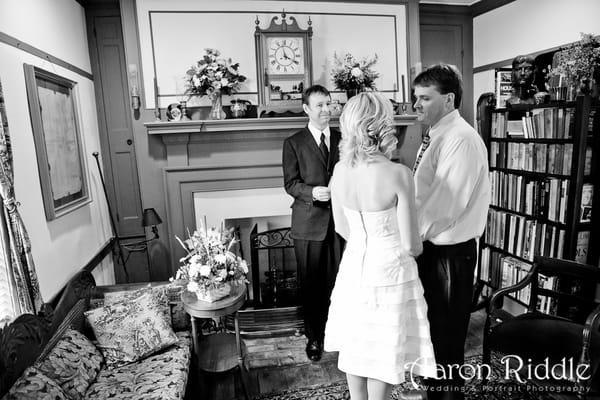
(150, 217)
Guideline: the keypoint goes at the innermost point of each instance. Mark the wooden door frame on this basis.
(433, 14)
(93, 10)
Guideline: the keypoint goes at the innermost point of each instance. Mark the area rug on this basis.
(475, 389)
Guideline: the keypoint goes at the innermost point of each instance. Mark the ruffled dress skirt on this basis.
(378, 317)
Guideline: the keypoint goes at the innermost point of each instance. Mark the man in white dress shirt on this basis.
(453, 194)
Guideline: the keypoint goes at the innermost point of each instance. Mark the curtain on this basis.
(16, 259)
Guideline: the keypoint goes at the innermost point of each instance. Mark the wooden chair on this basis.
(565, 329)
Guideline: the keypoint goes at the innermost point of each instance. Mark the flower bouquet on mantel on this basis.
(353, 75)
(214, 76)
(210, 268)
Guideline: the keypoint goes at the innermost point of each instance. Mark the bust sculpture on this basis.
(523, 89)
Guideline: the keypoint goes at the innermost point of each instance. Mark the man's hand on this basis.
(321, 193)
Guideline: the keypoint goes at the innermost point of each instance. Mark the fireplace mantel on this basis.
(185, 140)
(247, 124)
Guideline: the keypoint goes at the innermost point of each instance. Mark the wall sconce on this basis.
(132, 73)
(150, 218)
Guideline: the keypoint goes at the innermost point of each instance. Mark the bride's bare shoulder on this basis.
(401, 173)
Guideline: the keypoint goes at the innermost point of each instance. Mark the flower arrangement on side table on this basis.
(214, 76)
(210, 267)
(578, 64)
(354, 75)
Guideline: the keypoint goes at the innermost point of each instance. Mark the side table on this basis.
(222, 351)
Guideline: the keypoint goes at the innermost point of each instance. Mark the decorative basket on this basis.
(213, 294)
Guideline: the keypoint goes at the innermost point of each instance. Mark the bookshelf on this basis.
(544, 174)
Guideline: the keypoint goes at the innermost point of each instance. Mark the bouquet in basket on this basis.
(210, 267)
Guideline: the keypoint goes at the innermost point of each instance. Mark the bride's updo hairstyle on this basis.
(367, 129)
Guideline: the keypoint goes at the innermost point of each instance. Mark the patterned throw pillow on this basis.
(34, 385)
(73, 363)
(129, 331)
(169, 294)
(158, 292)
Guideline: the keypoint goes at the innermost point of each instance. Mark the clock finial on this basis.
(256, 21)
(309, 21)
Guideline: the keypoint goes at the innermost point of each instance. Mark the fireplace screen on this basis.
(274, 272)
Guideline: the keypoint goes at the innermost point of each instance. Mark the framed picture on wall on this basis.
(58, 144)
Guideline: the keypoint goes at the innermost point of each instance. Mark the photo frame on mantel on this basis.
(53, 109)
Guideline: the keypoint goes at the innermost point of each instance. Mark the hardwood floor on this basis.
(286, 367)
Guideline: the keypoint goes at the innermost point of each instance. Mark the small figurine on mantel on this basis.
(524, 90)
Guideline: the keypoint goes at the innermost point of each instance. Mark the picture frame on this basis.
(503, 86)
(53, 109)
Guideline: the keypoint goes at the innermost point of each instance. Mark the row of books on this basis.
(546, 198)
(539, 123)
(533, 157)
(501, 271)
(524, 237)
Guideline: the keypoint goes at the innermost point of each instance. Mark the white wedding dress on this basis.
(378, 315)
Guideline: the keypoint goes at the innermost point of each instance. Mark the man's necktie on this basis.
(424, 146)
(323, 148)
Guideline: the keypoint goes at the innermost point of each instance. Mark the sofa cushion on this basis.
(34, 385)
(129, 331)
(73, 363)
(160, 376)
(158, 292)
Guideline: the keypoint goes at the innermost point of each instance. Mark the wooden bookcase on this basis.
(542, 158)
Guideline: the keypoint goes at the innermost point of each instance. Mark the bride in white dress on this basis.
(378, 315)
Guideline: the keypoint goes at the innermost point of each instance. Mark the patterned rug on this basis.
(475, 389)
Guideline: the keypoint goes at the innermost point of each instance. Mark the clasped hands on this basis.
(321, 193)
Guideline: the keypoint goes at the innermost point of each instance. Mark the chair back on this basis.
(563, 288)
(275, 308)
(274, 272)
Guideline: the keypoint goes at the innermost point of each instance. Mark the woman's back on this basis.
(370, 186)
(367, 194)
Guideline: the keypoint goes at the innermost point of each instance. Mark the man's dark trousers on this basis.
(447, 272)
(317, 263)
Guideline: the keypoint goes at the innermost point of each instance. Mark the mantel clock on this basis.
(284, 64)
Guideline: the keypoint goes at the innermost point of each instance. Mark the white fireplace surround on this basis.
(219, 193)
(223, 205)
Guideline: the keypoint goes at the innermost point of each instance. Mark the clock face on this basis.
(285, 55)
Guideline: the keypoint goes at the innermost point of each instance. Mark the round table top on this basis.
(225, 306)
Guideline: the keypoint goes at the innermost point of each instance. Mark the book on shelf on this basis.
(503, 86)
(581, 250)
(587, 192)
(587, 166)
(591, 119)
(515, 128)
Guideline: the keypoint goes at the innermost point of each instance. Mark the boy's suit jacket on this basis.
(303, 168)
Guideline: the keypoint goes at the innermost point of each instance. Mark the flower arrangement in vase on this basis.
(210, 267)
(577, 66)
(353, 75)
(214, 76)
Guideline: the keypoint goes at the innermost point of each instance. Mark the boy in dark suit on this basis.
(308, 160)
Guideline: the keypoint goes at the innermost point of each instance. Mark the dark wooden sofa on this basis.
(30, 338)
